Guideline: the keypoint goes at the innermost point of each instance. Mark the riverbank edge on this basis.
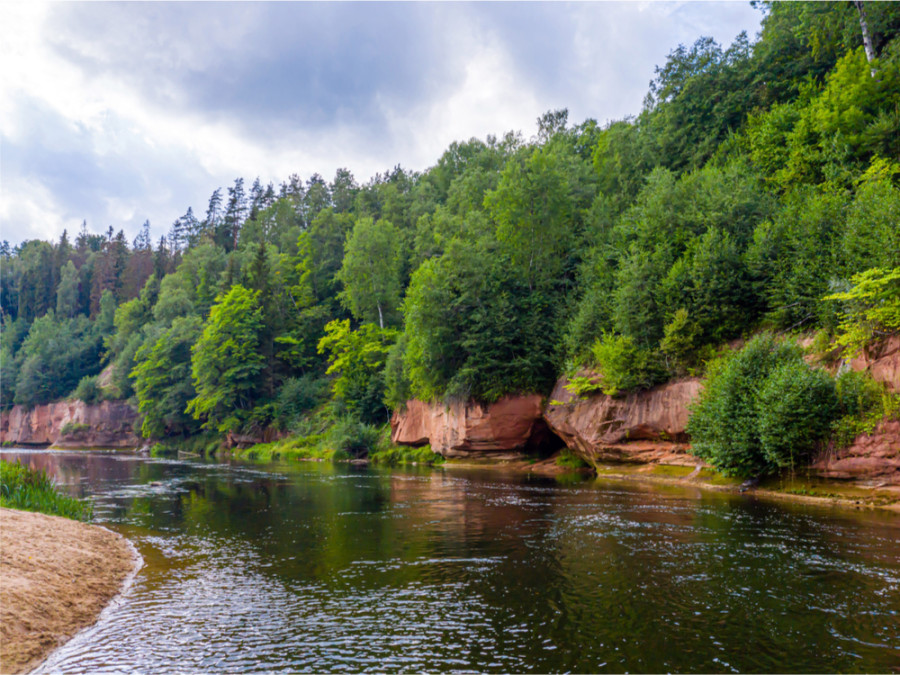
(840, 494)
(843, 495)
(832, 492)
(94, 591)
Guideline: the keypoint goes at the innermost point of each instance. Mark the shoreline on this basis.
(58, 576)
(831, 492)
(842, 495)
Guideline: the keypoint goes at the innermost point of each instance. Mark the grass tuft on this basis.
(31, 490)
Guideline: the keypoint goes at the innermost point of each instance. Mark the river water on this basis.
(321, 567)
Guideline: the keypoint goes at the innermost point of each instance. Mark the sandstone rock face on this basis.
(502, 430)
(883, 362)
(871, 457)
(102, 425)
(646, 426)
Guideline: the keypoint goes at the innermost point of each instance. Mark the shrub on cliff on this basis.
(862, 403)
(89, 390)
(871, 309)
(763, 409)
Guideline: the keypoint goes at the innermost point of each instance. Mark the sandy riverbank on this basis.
(56, 576)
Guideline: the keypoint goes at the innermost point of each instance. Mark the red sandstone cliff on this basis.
(645, 426)
(873, 458)
(882, 361)
(102, 425)
(501, 430)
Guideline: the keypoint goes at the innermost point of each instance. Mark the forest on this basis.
(758, 191)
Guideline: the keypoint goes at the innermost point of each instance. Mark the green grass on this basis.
(340, 441)
(569, 460)
(31, 490)
(398, 455)
(672, 470)
(292, 448)
(713, 477)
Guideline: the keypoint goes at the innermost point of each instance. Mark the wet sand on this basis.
(56, 576)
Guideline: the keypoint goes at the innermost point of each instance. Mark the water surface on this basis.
(317, 567)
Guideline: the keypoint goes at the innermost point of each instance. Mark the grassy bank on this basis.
(31, 490)
(343, 441)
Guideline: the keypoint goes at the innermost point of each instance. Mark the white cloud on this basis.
(32, 207)
(82, 136)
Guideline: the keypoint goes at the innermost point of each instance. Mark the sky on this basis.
(116, 113)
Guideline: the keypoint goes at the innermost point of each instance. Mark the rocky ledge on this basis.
(873, 458)
(506, 429)
(644, 427)
(71, 424)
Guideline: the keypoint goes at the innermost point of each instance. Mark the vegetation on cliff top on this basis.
(757, 189)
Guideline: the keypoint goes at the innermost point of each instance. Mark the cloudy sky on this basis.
(121, 112)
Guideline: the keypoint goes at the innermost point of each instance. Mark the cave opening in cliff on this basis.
(543, 443)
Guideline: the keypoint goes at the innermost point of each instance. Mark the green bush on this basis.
(796, 407)
(32, 490)
(351, 438)
(89, 390)
(73, 428)
(624, 366)
(299, 396)
(762, 409)
(857, 393)
(862, 404)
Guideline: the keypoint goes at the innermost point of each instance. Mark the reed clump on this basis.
(32, 490)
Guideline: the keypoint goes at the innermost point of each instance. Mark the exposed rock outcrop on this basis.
(645, 426)
(871, 457)
(503, 430)
(102, 425)
(882, 361)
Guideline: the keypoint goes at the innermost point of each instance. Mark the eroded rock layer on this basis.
(502, 430)
(871, 457)
(71, 424)
(882, 361)
(646, 426)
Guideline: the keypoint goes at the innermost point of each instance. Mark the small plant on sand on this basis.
(31, 490)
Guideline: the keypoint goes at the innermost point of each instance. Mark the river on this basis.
(322, 567)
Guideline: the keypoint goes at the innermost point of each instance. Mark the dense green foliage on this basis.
(872, 308)
(763, 409)
(31, 490)
(757, 180)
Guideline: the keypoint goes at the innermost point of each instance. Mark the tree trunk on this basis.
(867, 38)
